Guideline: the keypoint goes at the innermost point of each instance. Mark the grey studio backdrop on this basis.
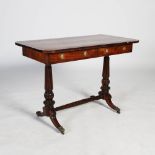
(92, 128)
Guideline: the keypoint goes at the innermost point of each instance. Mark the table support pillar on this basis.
(104, 93)
(48, 109)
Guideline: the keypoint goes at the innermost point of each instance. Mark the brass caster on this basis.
(118, 110)
(61, 129)
(39, 113)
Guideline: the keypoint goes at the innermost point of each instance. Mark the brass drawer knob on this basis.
(124, 48)
(62, 56)
(106, 50)
(85, 53)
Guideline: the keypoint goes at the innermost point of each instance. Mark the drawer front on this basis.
(115, 50)
(72, 56)
(86, 54)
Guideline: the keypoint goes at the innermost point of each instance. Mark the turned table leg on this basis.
(48, 109)
(104, 93)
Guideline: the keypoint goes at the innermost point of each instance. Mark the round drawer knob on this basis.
(62, 56)
(85, 53)
(124, 48)
(106, 51)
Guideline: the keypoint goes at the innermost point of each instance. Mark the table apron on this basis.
(53, 58)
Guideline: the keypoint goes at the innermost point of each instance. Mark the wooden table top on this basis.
(75, 43)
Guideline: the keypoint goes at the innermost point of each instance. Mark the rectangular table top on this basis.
(75, 43)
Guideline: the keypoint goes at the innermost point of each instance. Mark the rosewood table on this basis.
(60, 50)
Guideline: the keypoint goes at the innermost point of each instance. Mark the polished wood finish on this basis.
(48, 109)
(51, 58)
(33, 54)
(76, 103)
(69, 44)
(52, 51)
(87, 54)
(104, 93)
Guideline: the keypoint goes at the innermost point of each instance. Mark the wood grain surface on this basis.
(74, 43)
